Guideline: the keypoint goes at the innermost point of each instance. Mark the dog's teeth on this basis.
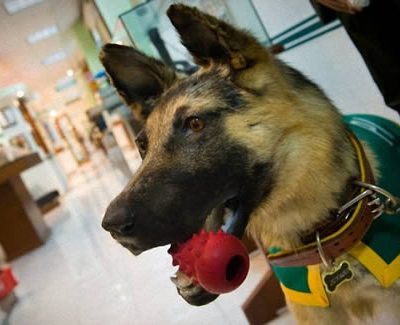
(174, 280)
(191, 291)
(181, 286)
(181, 280)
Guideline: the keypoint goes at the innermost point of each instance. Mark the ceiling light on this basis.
(42, 34)
(13, 6)
(70, 72)
(53, 113)
(55, 57)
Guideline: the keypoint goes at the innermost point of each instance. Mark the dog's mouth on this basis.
(231, 218)
(129, 243)
(227, 216)
(134, 249)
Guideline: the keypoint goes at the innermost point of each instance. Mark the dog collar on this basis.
(352, 222)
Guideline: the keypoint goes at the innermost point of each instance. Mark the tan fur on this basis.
(301, 197)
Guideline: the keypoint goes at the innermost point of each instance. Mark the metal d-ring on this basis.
(327, 263)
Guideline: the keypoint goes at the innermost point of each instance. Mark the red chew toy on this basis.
(218, 261)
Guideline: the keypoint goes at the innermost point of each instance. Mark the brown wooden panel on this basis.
(21, 225)
(17, 166)
(32, 211)
(265, 300)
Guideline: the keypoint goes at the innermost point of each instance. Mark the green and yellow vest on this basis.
(379, 250)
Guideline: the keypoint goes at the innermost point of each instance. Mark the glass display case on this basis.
(151, 31)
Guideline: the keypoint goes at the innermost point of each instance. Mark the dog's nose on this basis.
(118, 220)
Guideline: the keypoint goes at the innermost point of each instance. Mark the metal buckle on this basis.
(389, 206)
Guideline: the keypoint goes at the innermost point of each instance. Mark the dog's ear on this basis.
(211, 40)
(138, 78)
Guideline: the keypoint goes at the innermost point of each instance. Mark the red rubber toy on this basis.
(219, 262)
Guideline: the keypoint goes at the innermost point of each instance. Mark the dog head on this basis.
(191, 164)
(210, 140)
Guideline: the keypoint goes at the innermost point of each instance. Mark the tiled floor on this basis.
(82, 276)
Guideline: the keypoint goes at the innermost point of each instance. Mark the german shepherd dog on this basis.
(245, 134)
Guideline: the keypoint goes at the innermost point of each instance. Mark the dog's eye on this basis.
(196, 124)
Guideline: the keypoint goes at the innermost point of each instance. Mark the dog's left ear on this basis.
(213, 41)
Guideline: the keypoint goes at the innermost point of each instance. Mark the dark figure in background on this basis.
(375, 31)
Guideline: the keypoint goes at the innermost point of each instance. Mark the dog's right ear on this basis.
(213, 41)
(138, 78)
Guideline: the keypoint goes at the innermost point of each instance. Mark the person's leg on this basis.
(375, 32)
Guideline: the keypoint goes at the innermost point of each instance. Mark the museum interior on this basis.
(67, 148)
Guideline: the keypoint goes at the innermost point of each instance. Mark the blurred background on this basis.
(67, 148)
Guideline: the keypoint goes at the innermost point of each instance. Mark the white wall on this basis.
(45, 177)
(278, 15)
(331, 60)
